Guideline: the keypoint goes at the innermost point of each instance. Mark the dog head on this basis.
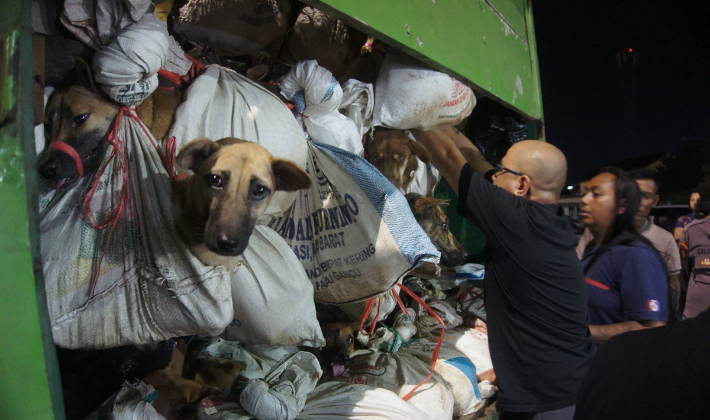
(76, 124)
(339, 345)
(394, 154)
(435, 223)
(232, 184)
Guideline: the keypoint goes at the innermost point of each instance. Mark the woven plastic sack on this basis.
(409, 96)
(400, 373)
(270, 307)
(352, 230)
(222, 103)
(317, 96)
(115, 270)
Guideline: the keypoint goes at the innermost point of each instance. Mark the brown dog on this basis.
(233, 182)
(77, 123)
(394, 154)
(177, 397)
(339, 345)
(435, 223)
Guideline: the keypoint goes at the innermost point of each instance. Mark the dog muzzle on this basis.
(64, 147)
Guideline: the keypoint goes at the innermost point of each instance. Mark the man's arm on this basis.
(602, 333)
(470, 152)
(450, 150)
(445, 155)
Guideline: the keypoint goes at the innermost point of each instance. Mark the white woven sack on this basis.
(150, 286)
(317, 95)
(455, 368)
(408, 96)
(337, 401)
(357, 104)
(400, 373)
(132, 44)
(352, 230)
(273, 298)
(222, 103)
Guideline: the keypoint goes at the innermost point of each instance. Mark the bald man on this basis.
(536, 297)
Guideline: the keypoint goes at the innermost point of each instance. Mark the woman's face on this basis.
(694, 197)
(598, 205)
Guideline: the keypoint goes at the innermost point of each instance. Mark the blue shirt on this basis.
(628, 282)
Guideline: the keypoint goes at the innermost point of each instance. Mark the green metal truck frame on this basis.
(487, 44)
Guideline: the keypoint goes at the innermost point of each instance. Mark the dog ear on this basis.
(84, 76)
(193, 154)
(427, 202)
(289, 176)
(419, 150)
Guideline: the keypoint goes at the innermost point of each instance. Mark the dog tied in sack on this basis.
(339, 346)
(77, 123)
(431, 217)
(397, 156)
(232, 184)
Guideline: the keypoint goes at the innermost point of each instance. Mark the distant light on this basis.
(631, 50)
(570, 187)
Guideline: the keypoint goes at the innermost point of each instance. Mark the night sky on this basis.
(590, 109)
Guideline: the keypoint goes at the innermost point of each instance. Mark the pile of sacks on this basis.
(348, 238)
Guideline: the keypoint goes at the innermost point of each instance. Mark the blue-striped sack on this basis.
(352, 230)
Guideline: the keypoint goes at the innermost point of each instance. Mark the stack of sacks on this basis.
(135, 281)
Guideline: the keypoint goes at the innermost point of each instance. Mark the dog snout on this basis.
(227, 245)
(48, 169)
(344, 357)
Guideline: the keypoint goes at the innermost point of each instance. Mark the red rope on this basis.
(435, 355)
(170, 158)
(368, 308)
(399, 301)
(119, 152)
(64, 147)
(377, 316)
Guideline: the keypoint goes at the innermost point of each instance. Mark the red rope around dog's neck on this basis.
(64, 147)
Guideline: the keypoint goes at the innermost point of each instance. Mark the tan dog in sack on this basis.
(77, 123)
(339, 346)
(434, 221)
(397, 156)
(233, 182)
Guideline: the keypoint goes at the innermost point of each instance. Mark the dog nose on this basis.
(48, 170)
(227, 245)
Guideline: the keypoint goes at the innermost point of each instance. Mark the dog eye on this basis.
(259, 192)
(332, 333)
(445, 225)
(81, 119)
(350, 340)
(214, 181)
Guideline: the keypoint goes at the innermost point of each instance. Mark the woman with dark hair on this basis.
(695, 258)
(627, 285)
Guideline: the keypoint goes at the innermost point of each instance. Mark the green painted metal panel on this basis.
(29, 380)
(488, 44)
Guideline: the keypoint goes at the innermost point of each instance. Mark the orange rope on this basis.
(435, 355)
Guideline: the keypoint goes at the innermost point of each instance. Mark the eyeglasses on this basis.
(500, 170)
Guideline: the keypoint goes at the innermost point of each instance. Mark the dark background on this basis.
(598, 113)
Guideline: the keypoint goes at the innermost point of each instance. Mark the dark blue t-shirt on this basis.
(628, 282)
